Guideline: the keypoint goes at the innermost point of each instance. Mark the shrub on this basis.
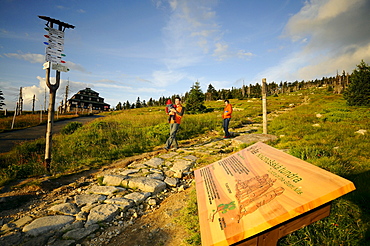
(70, 128)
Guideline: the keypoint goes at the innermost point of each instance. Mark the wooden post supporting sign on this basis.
(54, 48)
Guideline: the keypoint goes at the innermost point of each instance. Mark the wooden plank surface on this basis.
(258, 188)
(272, 235)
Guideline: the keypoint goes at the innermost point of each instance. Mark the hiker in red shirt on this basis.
(178, 112)
(227, 117)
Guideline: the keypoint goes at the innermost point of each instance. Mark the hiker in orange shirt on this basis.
(227, 117)
(178, 110)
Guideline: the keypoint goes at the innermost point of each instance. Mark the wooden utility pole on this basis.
(33, 104)
(20, 102)
(52, 87)
(264, 105)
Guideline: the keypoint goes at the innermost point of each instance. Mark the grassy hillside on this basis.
(320, 129)
(123, 133)
(325, 132)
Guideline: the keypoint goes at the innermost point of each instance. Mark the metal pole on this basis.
(264, 105)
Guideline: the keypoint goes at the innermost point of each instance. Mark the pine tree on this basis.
(358, 91)
(195, 100)
(150, 102)
(138, 103)
(128, 105)
(119, 106)
(211, 93)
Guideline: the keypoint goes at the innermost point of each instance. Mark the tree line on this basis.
(355, 87)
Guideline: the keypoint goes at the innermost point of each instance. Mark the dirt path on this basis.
(9, 139)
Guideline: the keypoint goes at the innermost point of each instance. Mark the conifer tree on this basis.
(358, 91)
(138, 103)
(119, 106)
(195, 100)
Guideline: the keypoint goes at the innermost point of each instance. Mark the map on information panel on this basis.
(257, 188)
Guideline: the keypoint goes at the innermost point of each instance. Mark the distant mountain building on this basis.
(87, 99)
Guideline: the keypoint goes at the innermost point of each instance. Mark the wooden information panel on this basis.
(257, 188)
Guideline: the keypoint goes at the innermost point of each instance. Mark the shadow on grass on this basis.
(361, 197)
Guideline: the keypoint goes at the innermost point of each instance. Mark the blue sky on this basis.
(151, 48)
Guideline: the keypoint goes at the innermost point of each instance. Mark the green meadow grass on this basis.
(323, 132)
(120, 134)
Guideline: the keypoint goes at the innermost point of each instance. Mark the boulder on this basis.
(79, 233)
(154, 162)
(124, 203)
(138, 197)
(180, 166)
(128, 171)
(103, 212)
(147, 184)
(169, 155)
(171, 181)
(65, 208)
(191, 158)
(45, 224)
(85, 199)
(115, 180)
(154, 170)
(103, 190)
(155, 176)
(253, 138)
(16, 224)
(361, 131)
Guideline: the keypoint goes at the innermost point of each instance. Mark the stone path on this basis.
(80, 212)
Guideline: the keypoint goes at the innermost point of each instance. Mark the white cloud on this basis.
(41, 90)
(222, 52)
(333, 35)
(166, 78)
(39, 58)
(33, 58)
(192, 33)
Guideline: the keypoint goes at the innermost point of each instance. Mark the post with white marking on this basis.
(264, 105)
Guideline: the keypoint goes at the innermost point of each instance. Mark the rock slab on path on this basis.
(253, 138)
(85, 199)
(45, 224)
(103, 212)
(65, 208)
(79, 233)
(147, 184)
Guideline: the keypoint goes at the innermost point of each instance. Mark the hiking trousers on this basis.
(174, 127)
(225, 125)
